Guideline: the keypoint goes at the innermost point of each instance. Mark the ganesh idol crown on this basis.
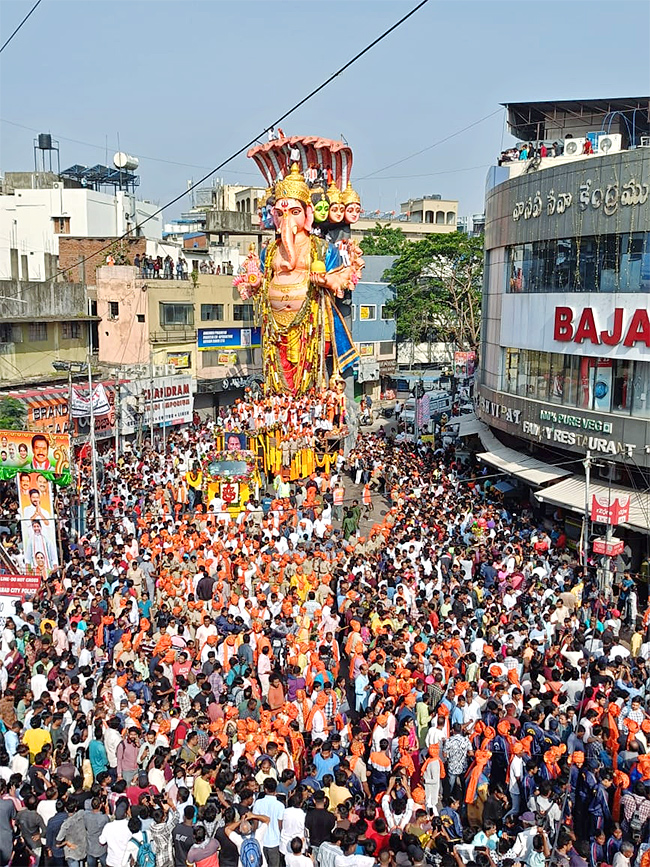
(301, 282)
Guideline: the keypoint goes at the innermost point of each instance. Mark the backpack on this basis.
(250, 853)
(146, 857)
(636, 824)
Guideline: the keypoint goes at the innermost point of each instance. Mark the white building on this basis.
(34, 216)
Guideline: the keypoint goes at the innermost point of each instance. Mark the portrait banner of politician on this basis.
(35, 451)
(37, 522)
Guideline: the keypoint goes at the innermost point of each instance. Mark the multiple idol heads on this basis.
(334, 206)
(337, 206)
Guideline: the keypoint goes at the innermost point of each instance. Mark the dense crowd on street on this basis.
(387, 666)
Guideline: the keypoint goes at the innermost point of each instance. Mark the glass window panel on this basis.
(586, 367)
(609, 263)
(602, 387)
(516, 268)
(556, 382)
(543, 375)
(571, 381)
(631, 260)
(510, 372)
(527, 270)
(533, 371)
(622, 386)
(565, 265)
(641, 389)
(587, 265)
(645, 266)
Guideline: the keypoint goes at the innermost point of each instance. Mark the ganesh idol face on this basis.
(352, 212)
(337, 212)
(291, 218)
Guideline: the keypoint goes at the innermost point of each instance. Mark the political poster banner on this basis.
(37, 522)
(35, 451)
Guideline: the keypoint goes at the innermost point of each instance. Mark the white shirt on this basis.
(116, 836)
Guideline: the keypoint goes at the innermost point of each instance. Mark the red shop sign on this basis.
(606, 511)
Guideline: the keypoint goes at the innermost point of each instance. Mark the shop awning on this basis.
(518, 464)
(469, 425)
(570, 494)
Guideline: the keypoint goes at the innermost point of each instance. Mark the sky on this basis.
(184, 84)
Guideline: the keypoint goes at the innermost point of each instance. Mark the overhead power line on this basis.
(257, 137)
(24, 21)
(103, 148)
(431, 146)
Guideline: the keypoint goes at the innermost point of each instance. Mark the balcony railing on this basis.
(175, 335)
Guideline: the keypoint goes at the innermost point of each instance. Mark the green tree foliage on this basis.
(383, 241)
(13, 414)
(438, 283)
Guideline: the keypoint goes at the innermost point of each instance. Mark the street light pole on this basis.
(93, 455)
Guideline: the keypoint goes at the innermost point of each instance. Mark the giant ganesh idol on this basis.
(296, 287)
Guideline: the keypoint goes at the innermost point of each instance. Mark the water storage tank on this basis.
(44, 141)
(125, 162)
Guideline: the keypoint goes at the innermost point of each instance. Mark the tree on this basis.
(12, 414)
(383, 241)
(438, 284)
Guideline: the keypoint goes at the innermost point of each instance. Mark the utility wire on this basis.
(103, 148)
(431, 146)
(31, 11)
(255, 139)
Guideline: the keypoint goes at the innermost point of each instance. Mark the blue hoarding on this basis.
(229, 338)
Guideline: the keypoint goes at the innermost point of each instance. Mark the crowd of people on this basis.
(436, 681)
(164, 267)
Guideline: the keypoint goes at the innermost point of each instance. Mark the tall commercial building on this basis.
(565, 361)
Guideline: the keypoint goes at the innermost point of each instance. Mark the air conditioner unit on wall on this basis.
(609, 142)
(573, 147)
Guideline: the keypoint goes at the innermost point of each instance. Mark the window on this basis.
(113, 309)
(385, 313)
(243, 313)
(367, 312)
(61, 225)
(212, 312)
(556, 382)
(641, 389)
(37, 331)
(608, 263)
(622, 386)
(386, 347)
(510, 371)
(10, 333)
(176, 315)
(139, 317)
(71, 330)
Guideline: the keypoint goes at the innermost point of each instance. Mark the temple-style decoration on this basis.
(304, 276)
